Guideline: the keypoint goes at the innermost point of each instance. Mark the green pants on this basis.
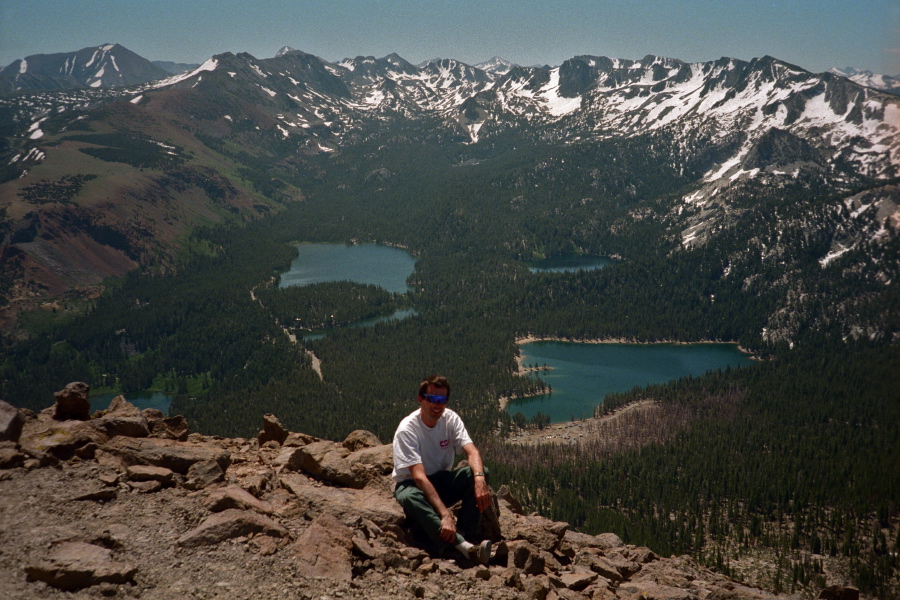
(451, 486)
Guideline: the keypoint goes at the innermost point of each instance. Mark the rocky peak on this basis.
(128, 503)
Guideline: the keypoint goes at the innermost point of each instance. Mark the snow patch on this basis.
(557, 105)
(209, 65)
(137, 99)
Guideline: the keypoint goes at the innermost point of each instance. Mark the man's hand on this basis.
(448, 528)
(482, 494)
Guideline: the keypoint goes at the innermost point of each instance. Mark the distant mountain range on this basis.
(732, 130)
(869, 79)
(113, 65)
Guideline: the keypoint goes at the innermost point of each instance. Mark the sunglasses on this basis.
(436, 399)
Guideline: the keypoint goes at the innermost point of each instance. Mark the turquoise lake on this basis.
(582, 373)
(366, 263)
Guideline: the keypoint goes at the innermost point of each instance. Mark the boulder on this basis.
(230, 524)
(543, 533)
(511, 502)
(10, 422)
(72, 402)
(170, 428)
(122, 418)
(234, 496)
(525, 557)
(350, 506)
(379, 457)
(203, 474)
(604, 541)
(75, 565)
(359, 439)
(150, 473)
(174, 455)
(574, 581)
(272, 430)
(327, 461)
(593, 559)
(49, 440)
(325, 550)
(10, 457)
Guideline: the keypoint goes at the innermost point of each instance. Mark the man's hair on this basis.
(438, 381)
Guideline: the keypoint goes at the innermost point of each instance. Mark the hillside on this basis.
(128, 504)
(707, 150)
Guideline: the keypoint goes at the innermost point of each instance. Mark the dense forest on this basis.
(797, 454)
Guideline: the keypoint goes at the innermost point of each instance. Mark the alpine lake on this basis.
(580, 374)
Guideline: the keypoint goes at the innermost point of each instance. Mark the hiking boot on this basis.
(480, 554)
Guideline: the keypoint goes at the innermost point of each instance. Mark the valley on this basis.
(747, 202)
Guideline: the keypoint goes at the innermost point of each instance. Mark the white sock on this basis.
(464, 546)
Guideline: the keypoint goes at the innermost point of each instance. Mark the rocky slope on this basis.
(127, 503)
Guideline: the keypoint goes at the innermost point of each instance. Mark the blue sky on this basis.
(813, 34)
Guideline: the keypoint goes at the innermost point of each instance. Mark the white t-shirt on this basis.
(433, 447)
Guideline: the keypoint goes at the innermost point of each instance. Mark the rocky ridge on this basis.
(128, 503)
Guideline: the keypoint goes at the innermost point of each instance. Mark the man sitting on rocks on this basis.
(425, 445)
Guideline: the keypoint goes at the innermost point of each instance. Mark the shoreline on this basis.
(528, 339)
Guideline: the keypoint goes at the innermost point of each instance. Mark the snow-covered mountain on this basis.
(878, 81)
(587, 97)
(728, 138)
(108, 65)
(496, 65)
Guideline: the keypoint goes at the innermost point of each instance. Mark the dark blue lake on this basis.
(366, 263)
(561, 264)
(583, 373)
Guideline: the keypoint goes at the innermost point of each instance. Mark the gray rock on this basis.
(230, 524)
(75, 565)
(10, 422)
(72, 402)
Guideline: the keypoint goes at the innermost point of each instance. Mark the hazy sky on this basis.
(813, 34)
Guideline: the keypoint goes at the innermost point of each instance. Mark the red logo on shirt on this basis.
(445, 443)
